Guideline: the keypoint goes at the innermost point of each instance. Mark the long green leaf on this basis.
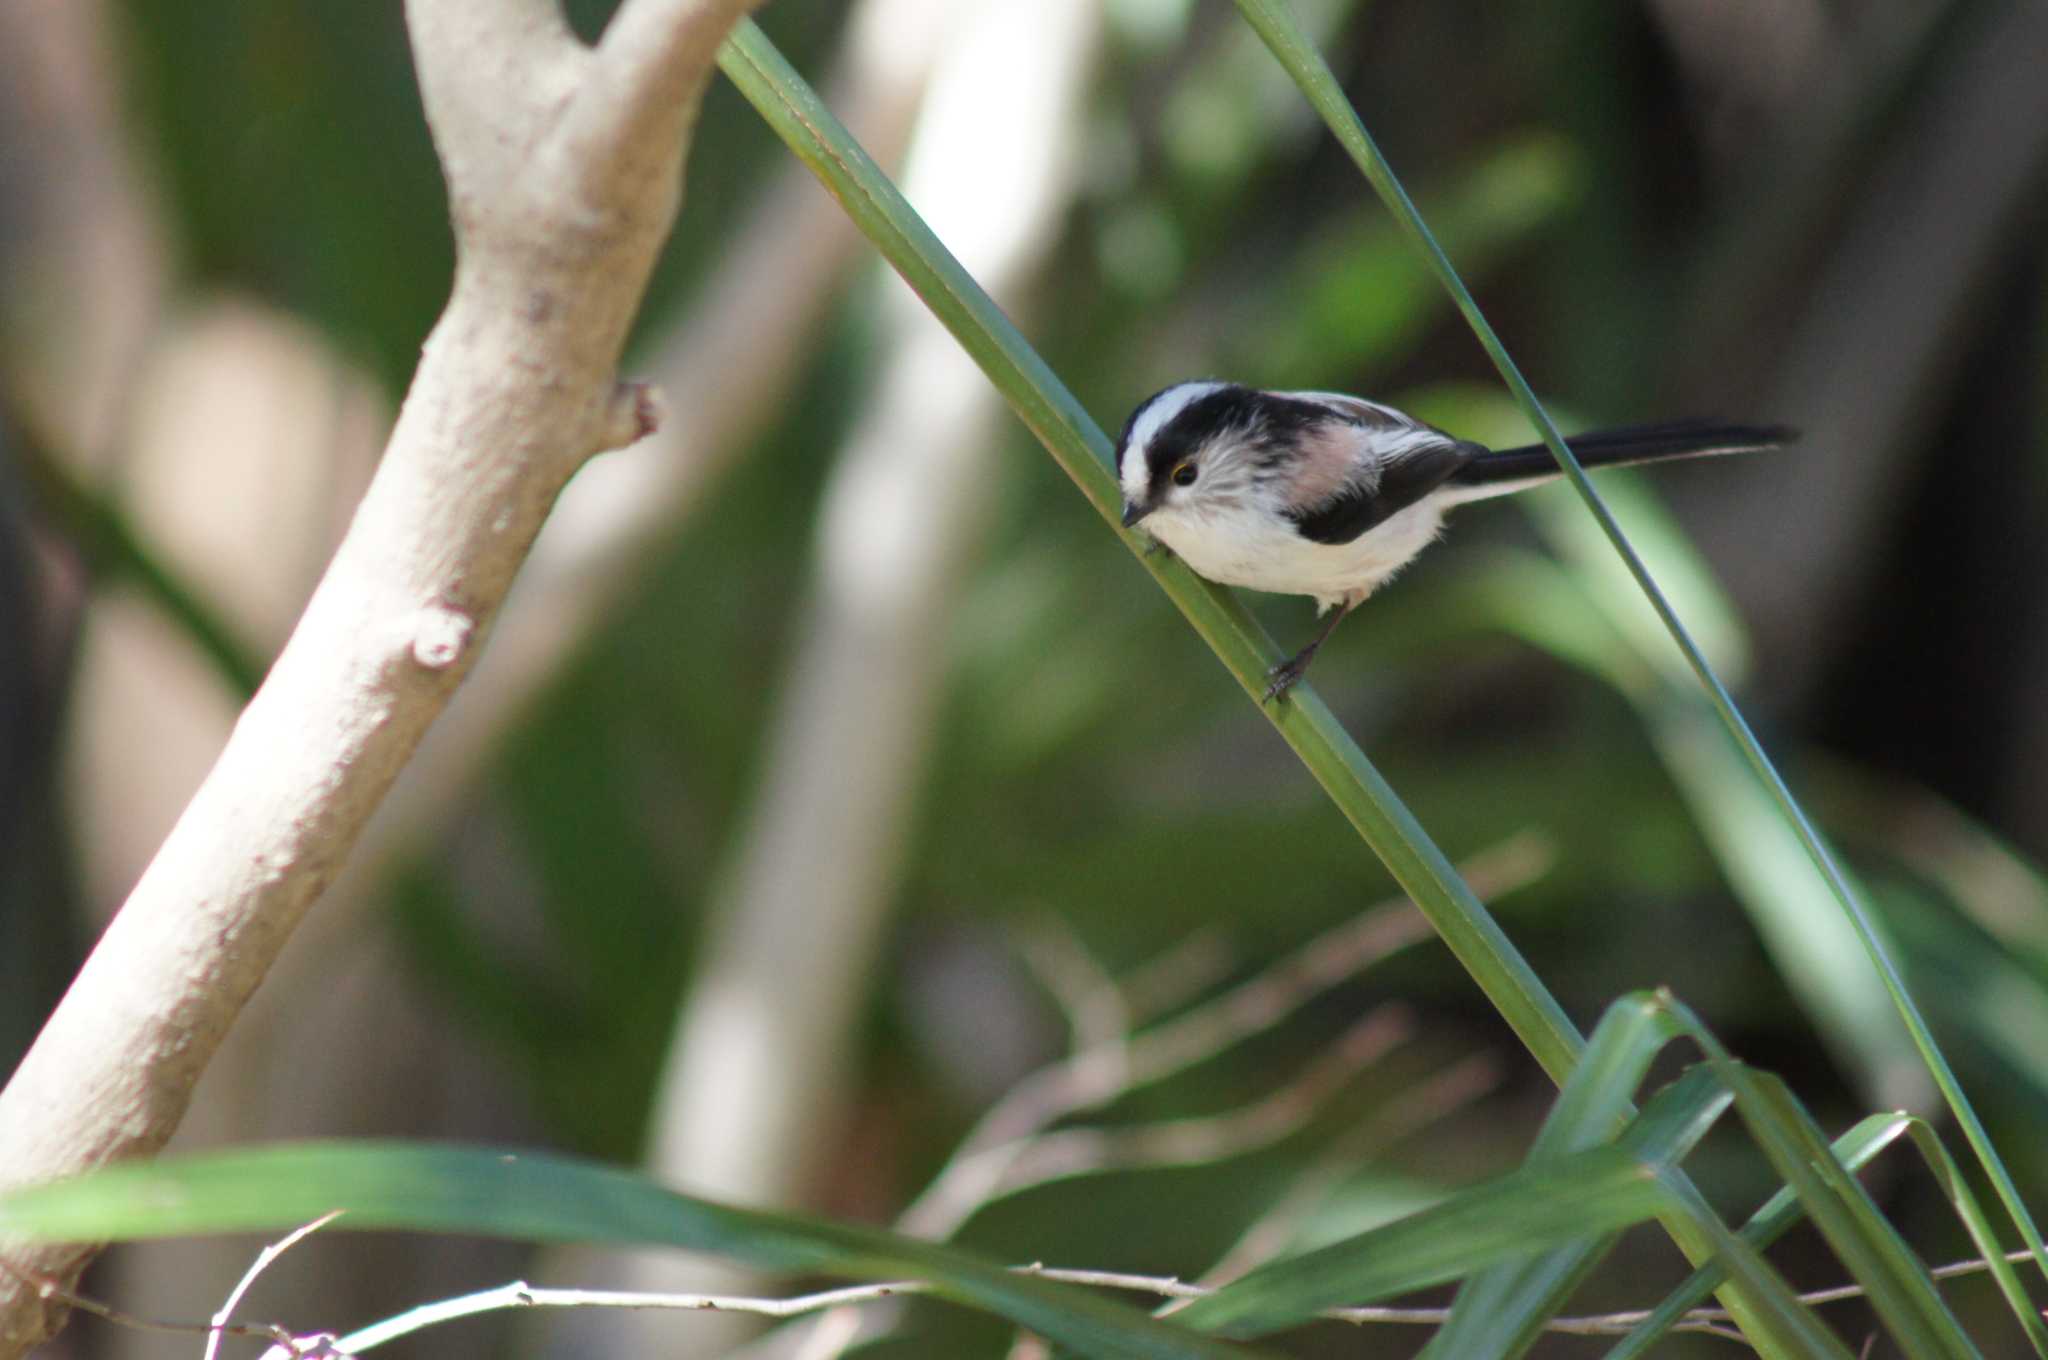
(1989, 1248)
(535, 1198)
(1896, 1281)
(1854, 1149)
(1501, 1311)
(1079, 446)
(1774, 1320)
(1583, 1197)
(1591, 1193)
(1274, 23)
(1015, 370)
(113, 548)
(1812, 945)
(1597, 1101)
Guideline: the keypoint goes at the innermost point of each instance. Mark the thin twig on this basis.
(1073, 1152)
(1325, 961)
(1090, 997)
(1195, 963)
(1095, 1076)
(1029, 1346)
(517, 1294)
(262, 1263)
(985, 1163)
(49, 1287)
(1172, 1288)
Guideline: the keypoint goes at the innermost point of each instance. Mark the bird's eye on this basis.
(1184, 475)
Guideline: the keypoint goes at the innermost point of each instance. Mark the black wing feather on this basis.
(1357, 508)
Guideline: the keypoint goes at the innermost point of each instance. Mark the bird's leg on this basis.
(1288, 673)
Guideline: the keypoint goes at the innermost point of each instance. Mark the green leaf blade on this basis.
(1276, 25)
(1501, 1312)
(1854, 1148)
(1082, 451)
(1897, 1283)
(1587, 1194)
(543, 1198)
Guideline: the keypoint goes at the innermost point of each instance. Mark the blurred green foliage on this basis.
(1093, 760)
(294, 154)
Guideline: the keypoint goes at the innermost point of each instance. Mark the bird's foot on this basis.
(1285, 676)
(1157, 549)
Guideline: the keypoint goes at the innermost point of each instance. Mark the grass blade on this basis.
(1081, 449)
(1854, 1149)
(1982, 1234)
(1501, 1311)
(1898, 1285)
(1276, 26)
(439, 1188)
(1776, 1322)
(1583, 1197)
(1598, 1191)
(113, 548)
(1597, 1101)
(797, 115)
(1813, 946)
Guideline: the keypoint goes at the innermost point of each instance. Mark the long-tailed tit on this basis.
(1317, 493)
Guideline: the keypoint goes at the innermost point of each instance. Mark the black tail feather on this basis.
(1633, 444)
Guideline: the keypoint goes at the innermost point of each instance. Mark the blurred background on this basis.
(835, 778)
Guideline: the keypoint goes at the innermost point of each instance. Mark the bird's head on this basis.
(1200, 447)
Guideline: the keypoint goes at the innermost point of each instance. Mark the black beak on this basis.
(1134, 512)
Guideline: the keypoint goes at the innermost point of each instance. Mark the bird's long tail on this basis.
(1500, 471)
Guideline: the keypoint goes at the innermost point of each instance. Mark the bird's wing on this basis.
(1359, 411)
(1374, 465)
(1361, 505)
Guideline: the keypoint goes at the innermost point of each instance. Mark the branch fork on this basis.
(564, 166)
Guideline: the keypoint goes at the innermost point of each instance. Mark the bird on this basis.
(1329, 495)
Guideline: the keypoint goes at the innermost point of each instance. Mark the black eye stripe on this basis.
(1280, 422)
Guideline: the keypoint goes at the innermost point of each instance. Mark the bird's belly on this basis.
(1264, 553)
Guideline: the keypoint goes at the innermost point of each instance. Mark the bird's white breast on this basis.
(1239, 545)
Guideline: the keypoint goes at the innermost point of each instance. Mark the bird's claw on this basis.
(1282, 678)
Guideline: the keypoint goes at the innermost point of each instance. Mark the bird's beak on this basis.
(1133, 512)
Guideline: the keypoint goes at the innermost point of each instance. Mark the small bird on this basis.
(1323, 494)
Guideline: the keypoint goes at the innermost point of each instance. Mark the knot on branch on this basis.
(439, 636)
(635, 411)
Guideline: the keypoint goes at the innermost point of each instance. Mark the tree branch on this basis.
(564, 172)
(519, 1294)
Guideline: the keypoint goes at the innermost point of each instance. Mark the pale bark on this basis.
(726, 371)
(563, 165)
